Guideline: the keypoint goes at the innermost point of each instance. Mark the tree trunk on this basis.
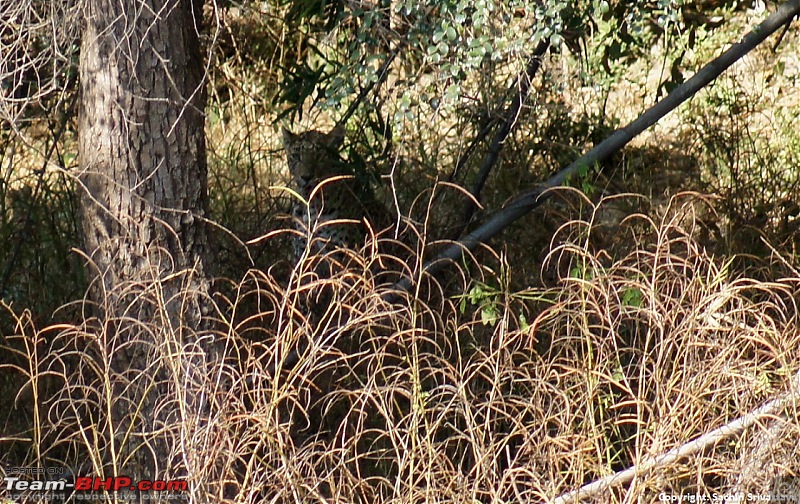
(142, 142)
(142, 152)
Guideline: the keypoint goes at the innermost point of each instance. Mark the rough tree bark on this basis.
(142, 154)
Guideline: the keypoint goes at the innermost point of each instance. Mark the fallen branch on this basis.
(704, 442)
(531, 199)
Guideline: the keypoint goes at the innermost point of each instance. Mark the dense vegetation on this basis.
(648, 302)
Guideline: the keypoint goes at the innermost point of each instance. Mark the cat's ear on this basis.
(335, 138)
(288, 136)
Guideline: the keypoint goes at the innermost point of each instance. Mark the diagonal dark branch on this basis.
(530, 72)
(383, 72)
(531, 199)
(780, 37)
(523, 85)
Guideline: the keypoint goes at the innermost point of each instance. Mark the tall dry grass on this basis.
(329, 392)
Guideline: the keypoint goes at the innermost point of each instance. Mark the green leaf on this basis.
(632, 297)
(476, 295)
(587, 188)
(489, 315)
(452, 92)
(523, 322)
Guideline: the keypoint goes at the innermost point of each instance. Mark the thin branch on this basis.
(383, 72)
(523, 83)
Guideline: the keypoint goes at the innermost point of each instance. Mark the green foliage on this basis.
(452, 40)
(320, 12)
(583, 179)
(632, 297)
(486, 299)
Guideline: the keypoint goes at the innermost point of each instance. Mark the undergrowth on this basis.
(338, 389)
(604, 332)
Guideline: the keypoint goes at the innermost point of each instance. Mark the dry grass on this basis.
(486, 389)
(637, 349)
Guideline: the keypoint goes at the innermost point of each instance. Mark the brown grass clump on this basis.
(329, 392)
